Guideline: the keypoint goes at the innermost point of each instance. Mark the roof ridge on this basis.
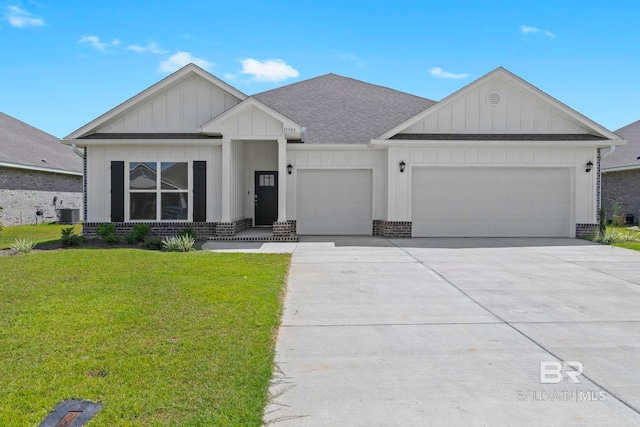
(362, 82)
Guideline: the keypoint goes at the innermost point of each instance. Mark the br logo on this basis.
(554, 372)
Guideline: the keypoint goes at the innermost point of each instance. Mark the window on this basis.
(158, 191)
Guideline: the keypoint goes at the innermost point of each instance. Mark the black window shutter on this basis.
(199, 191)
(117, 191)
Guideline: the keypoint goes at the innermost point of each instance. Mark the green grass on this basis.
(161, 339)
(36, 233)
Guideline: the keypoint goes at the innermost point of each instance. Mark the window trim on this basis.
(158, 190)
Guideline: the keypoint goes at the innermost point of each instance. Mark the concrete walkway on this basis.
(452, 332)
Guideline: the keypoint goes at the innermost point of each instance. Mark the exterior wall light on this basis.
(289, 168)
(402, 165)
(589, 166)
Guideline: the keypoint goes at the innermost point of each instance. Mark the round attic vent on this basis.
(494, 98)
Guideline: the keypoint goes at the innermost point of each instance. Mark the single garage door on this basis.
(334, 201)
(491, 202)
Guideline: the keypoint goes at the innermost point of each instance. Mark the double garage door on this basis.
(334, 201)
(491, 202)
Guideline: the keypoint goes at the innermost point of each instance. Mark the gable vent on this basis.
(494, 98)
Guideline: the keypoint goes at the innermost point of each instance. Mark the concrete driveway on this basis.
(452, 332)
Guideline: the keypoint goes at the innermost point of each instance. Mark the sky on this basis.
(64, 63)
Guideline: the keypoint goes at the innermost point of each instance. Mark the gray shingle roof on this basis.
(337, 109)
(25, 145)
(626, 155)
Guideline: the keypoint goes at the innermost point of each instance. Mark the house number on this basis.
(290, 130)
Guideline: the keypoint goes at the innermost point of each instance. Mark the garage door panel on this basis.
(334, 201)
(487, 202)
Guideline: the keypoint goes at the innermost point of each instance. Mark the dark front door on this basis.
(266, 198)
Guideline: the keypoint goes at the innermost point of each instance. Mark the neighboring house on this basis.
(621, 174)
(334, 155)
(35, 170)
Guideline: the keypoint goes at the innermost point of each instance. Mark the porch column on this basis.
(282, 180)
(226, 181)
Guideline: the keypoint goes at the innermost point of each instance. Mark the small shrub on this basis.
(108, 234)
(70, 237)
(612, 235)
(188, 231)
(152, 243)
(24, 246)
(140, 232)
(178, 243)
(130, 237)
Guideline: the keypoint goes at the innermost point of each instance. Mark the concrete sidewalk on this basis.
(451, 332)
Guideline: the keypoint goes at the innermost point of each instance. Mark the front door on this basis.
(266, 198)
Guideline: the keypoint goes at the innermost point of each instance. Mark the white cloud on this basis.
(152, 47)
(271, 70)
(179, 60)
(95, 42)
(20, 18)
(441, 74)
(528, 29)
(353, 58)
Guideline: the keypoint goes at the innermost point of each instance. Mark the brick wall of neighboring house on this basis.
(23, 192)
(622, 187)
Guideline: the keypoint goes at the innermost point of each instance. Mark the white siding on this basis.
(518, 112)
(181, 108)
(252, 123)
(99, 174)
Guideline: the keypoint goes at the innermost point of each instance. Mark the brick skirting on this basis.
(158, 229)
(385, 228)
(585, 230)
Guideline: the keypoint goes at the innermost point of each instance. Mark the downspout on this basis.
(612, 148)
(76, 150)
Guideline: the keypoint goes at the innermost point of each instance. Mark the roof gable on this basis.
(252, 119)
(499, 103)
(25, 146)
(179, 103)
(336, 109)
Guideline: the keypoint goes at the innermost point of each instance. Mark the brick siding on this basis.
(622, 187)
(23, 192)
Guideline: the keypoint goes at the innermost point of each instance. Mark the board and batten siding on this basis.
(374, 160)
(584, 198)
(182, 108)
(517, 112)
(99, 169)
(252, 122)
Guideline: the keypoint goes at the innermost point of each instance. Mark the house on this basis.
(334, 155)
(38, 175)
(621, 174)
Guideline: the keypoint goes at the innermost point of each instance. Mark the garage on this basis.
(334, 201)
(491, 202)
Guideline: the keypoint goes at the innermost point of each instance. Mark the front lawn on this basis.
(40, 233)
(159, 338)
